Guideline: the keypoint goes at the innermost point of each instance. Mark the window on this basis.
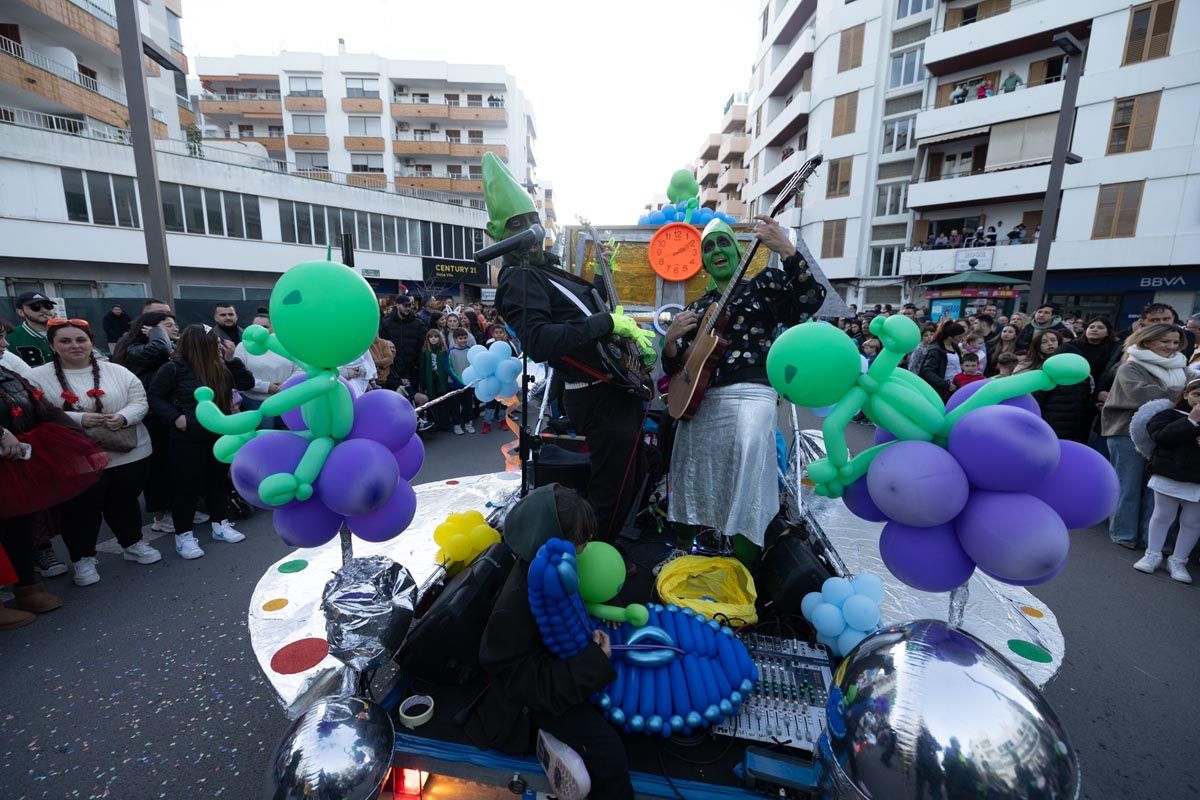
(965, 15)
(766, 19)
(1150, 27)
(474, 137)
(304, 86)
(845, 113)
(884, 261)
(76, 195)
(891, 200)
(362, 87)
(274, 131)
(1047, 70)
(114, 289)
(833, 238)
(253, 220)
(908, 7)
(366, 162)
(125, 192)
(1133, 123)
(389, 234)
(958, 164)
(100, 193)
(475, 100)
(193, 210)
(216, 217)
(898, 135)
(245, 131)
(318, 215)
(906, 68)
(172, 208)
(233, 215)
(837, 184)
(1117, 210)
(308, 123)
(173, 32)
(365, 126)
(377, 232)
(451, 99)
(454, 136)
(287, 221)
(312, 161)
(421, 97)
(303, 223)
(363, 228)
(476, 172)
(850, 48)
(454, 170)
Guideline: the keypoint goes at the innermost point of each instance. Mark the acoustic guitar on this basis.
(708, 348)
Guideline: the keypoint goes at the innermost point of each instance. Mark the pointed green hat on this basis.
(720, 226)
(505, 197)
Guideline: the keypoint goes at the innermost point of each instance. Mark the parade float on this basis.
(892, 621)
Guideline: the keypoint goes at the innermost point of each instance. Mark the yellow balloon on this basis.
(441, 557)
(442, 533)
(475, 518)
(459, 547)
(495, 536)
(481, 538)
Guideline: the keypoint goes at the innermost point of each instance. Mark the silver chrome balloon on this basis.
(368, 606)
(339, 749)
(923, 710)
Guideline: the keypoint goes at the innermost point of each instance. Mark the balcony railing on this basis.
(428, 173)
(183, 102)
(219, 134)
(76, 127)
(408, 136)
(228, 98)
(737, 98)
(18, 50)
(175, 44)
(103, 12)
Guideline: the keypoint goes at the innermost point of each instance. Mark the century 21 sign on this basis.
(440, 269)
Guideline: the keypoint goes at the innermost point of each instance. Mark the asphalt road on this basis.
(144, 686)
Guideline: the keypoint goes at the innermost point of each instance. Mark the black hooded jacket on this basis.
(526, 679)
(408, 334)
(1176, 446)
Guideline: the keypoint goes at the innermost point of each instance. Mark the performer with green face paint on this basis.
(559, 319)
(723, 472)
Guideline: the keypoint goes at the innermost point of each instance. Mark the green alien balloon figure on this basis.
(683, 186)
(815, 364)
(601, 576)
(324, 315)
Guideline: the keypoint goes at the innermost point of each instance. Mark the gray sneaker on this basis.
(569, 779)
(46, 563)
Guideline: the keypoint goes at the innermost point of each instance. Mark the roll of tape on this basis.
(421, 701)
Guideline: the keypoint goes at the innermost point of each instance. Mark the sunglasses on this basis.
(58, 322)
(41, 306)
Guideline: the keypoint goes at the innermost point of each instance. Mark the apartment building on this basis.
(237, 213)
(937, 118)
(719, 168)
(420, 125)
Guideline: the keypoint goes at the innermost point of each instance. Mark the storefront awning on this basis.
(949, 137)
(974, 277)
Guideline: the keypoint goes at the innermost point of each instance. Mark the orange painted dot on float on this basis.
(299, 656)
(275, 604)
(1030, 611)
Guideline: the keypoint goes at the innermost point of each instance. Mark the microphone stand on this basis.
(524, 440)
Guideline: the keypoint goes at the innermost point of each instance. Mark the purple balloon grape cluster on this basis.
(364, 482)
(1001, 497)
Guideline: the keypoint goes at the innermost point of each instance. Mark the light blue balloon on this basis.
(870, 585)
(508, 370)
(679, 215)
(836, 590)
(475, 352)
(861, 612)
(655, 218)
(848, 639)
(500, 349)
(644, 219)
(470, 374)
(485, 364)
(507, 389)
(682, 205)
(827, 619)
(810, 601)
(829, 641)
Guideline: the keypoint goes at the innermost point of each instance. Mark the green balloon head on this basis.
(1066, 369)
(324, 314)
(813, 364)
(601, 572)
(720, 251)
(683, 186)
(504, 197)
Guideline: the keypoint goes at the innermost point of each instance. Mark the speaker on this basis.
(557, 464)
(788, 571)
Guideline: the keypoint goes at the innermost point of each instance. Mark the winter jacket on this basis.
(433, 376)
(1132, 386)
(526, 679)
(1176, 446)
(172, 393)
(1067, 409)
(232, 334)
(1097, 355)
(408, 334)
(115, 326)
(144, 359)
(932, 369)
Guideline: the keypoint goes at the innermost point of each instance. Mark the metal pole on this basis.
(1062, 143)
(157, 260)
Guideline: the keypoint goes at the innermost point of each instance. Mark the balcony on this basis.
(420, 110)
(732, 206)
(785, 78)
(1008, 184)
(734, 120)
(420, 147)
(258, 104)
(31, 71)
(440, 183)
(1023, 103)
(730, 179)
(371, 144)
(709, 172)
(304, 102)
(476, 149)
(1025, 28)
(307, 141)
(478, 113)
(273, 142)
(1004, 258)
(785, 125)
(710, 197)
(98, 24)
(778, 175)
(367, 180)
(733, 147)
(362, 105)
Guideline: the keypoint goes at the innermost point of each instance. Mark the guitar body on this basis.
(689, 384)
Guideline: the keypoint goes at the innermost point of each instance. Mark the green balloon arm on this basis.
(859, 465)
(227, 446)
(891, 415)
(692, 204)
(217, 421)
(342, 413)
(314, 458)
(884, 365)
(912, 405)
(998, 391)
(295, 396)
(276, 347)
(256, 339)
(834, 427)
(924, 389)
(631, 613)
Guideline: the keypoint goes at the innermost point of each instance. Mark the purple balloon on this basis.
(858, 500)
(1083, 488)
(1004, 449)
(265, 454)
(918, 484)
(358, 477)
(1024, 402)
(410, 458)
(1043, 579)
(390, 519)
(884, 435)
(294, 418)
(306, 524)
(385, 417)
(1014, 537)
(927, 559)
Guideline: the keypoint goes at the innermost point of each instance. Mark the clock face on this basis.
(675, 251)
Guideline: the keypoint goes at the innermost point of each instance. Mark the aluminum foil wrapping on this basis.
(368, 606)
(287, 625)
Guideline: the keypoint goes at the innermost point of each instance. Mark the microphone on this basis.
(524, 239)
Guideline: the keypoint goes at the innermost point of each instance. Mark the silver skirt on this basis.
(723, 466)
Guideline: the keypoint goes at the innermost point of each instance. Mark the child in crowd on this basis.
(433, 377)
(970, 371)
(1006, 363)
(974, 343)
(462, 407)
(870, 348)
(1175, 479)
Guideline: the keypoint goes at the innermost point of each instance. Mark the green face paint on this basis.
(524, 222)
(505, 198)
(720, 252)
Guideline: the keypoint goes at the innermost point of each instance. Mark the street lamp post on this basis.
(1062, 143)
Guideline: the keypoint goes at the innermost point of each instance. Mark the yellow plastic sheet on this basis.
(715, 587)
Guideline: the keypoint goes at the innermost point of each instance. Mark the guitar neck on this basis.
(603, 268)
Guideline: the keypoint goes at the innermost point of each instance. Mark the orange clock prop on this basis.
(675, 251)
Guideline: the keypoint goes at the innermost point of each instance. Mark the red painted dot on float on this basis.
(299, 656)
(452, 483)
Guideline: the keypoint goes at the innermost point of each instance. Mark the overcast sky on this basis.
(624, 91)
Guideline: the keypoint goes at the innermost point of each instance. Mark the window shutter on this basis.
(979, 158)
(1106, 211)
(1037, 73)
(844, 51)
(934, 171)
(1127, 212)
(850, 113)
(920, 231)
(953, 18)
(943, 95)
(1118, 133)
(1031, 220)
(856, 45)
(1145, 114)
(833, 238)
(831, 179)
(1160, 29)
(1139, 28)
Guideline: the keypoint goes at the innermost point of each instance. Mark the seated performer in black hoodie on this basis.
(534, 694)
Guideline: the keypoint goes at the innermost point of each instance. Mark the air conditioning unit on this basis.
(401, 90)
(434, 127)
(403, 126)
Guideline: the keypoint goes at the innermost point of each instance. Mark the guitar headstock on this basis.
(796, 183)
